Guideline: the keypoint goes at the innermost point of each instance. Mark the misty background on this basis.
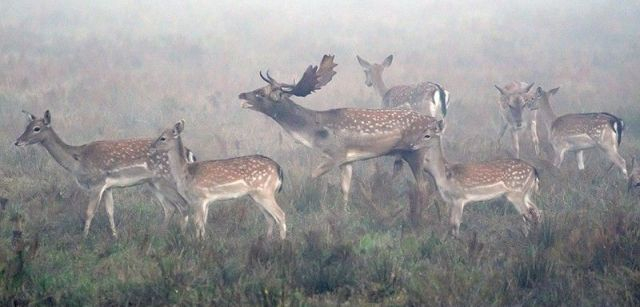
(114, 69)
(128, 69)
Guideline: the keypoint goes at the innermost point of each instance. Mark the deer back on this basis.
(382, 130)
(426, 98)
(514, 174)
(256, 171)
(593, 125)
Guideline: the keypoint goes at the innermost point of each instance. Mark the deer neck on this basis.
(436, 165)
(301, 123)
(547, 116)
(178, 166)
(65, 154)
(378, 84)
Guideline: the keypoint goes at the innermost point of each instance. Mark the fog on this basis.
(119, 69)
(128, 69)
(118, 63)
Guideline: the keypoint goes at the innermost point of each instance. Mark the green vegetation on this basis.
(128, 70)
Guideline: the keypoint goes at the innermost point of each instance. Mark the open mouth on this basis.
(19, 144)
(246, 105)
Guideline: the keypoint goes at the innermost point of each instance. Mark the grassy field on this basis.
(120, 70)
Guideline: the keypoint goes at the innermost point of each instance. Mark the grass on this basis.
(105, 78)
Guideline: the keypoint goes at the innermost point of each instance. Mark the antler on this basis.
(314, 78)
(269, 79)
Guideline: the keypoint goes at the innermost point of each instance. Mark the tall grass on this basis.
(127, 70)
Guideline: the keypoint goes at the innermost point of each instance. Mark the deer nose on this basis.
(242, 96)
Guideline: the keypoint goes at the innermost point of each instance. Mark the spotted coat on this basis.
(412, 95)
(591, 124)
(513, 173)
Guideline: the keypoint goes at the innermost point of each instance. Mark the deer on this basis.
(345, 135)
(516, 114)
(460, 184)
(204, 182)
(102, 165)
(426, 97)
(578, 132)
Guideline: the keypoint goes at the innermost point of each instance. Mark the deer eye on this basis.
(163, 138)
(427, 137)
(36, 129)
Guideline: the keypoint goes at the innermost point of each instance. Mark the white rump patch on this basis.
(437, 97)
(446, 98)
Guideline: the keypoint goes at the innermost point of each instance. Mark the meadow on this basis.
(121, 70)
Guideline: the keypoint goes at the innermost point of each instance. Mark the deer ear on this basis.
(502, 92)
(47, 118)
(388, 61)
(178, 127)
(553, 91)
(362, 62)
(30, 117)
(528, 88)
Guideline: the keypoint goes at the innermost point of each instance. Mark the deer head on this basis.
(541, 98)
(373, 72)
(37, 129)
(267, 98)
(169, 139)
(513, 103)
(434, 130)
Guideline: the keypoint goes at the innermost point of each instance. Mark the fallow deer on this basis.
(580, 131)
(100, 166)
(516, 114)
(202, 183)
(460, 184)
(426, 97)
(344, 135)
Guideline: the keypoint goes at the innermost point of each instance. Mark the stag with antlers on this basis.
(344, 135)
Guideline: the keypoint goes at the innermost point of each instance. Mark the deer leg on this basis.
(415, 159)
(345, 182)
(323, 168)
(558, 154)
(171, 201)
(95, 199)
(107, 198)
(534, 137)
(397, 166)
(534, 213)
(503, 129)
(166, 207)
(515, 141)
(200, 219)
(580, 158)
(455, 218)
(272, 212)
(526, 208)
(614, 156)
